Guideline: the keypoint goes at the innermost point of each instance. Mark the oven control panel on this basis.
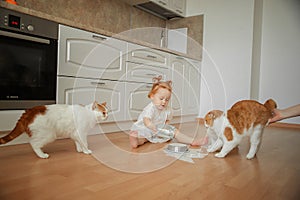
(23, 23)
(13, 21)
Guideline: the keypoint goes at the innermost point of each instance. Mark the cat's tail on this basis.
(22, 125)
(270, 105)
(18, 130)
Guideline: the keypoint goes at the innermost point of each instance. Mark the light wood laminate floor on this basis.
(111, 173)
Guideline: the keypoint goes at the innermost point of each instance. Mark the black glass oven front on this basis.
(27, 68)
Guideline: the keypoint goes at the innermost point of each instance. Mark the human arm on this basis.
(148, 123)
(280, 114)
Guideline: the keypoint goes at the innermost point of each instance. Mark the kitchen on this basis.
(131, 18)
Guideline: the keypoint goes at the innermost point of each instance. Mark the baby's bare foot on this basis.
(133, 139)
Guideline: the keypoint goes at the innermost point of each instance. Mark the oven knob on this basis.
(30, 27)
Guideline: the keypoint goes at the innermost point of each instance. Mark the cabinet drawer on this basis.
(145, 73)
(136, 99)
(145, 55)
(85, 91)
(85, 54)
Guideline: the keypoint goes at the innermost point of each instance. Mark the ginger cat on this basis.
(244, 118)
(44, 124)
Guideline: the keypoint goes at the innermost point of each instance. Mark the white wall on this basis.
(280, 53)
(228, 37)
(226, 65)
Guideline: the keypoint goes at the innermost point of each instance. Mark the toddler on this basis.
(152, 124)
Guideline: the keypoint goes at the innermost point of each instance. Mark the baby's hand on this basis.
(152, 127)
(154, 130)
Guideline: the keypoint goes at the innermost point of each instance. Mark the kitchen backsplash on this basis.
(115, 16)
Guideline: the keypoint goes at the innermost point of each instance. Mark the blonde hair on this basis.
(157, 84)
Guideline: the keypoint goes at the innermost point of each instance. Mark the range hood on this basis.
(162, 11)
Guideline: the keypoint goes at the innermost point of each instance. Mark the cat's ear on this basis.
(104, 104)
(212, 115)
(157, 79)
(94, 106)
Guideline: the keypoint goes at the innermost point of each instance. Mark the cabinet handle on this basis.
(151, 75)
(163, 3)
(150, 56)
(98, 83)
(97, 37)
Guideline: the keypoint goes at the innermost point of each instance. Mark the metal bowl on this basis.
(177, 147)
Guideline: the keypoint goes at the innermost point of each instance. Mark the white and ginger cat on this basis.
(245, 118)
(44, 124)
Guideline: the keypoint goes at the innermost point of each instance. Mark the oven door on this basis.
(27, 70)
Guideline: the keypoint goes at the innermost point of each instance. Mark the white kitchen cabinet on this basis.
(192, 87)
(178, 68)
(136, 99)
(178, 6)
(163, 3)
(86, 54)
(145, 73)
(121, 74)
(85, 91)
(185, 74)
(144, 55)
(143, 64)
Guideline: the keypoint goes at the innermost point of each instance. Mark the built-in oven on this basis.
(28, 60)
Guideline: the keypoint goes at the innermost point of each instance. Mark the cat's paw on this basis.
(219, 155)
(210, 150)
(250, 156)
(44, 155)
(79, 149)
(87, 152)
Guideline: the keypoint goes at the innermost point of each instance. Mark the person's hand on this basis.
(152, 127)
(277, 115)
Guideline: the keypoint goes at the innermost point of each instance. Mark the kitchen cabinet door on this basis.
(178, 6)
(145, 73)
(144, 55)
(178, 68)
(163, 3)
(85, 91)
(143, 64)
(136, 99)
(186, 85)
(85, 54)
(192, 76)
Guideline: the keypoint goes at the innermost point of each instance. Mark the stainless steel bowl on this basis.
(177, 147)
